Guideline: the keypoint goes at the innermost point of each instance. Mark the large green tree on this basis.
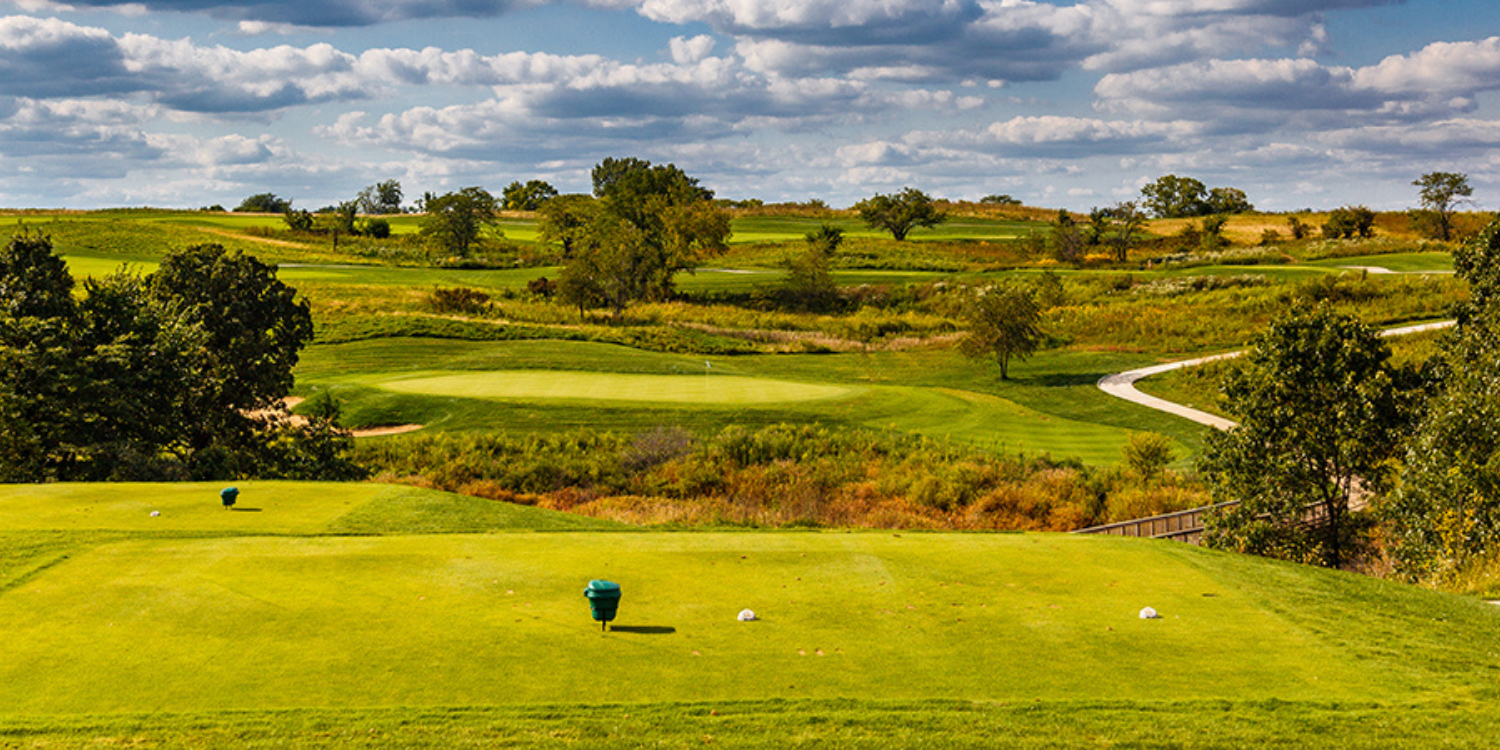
(174, 375)
(268, 203)
(252, 328)
(901, 212)
(39, 373)
(646, 224)
(456, 222)
(528, 196)
(1445, 513)
(1171, 197)
(1321, 414)
(383, 197)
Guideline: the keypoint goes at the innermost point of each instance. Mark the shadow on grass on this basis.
(642, 629)
(1060, 379)
(246, 510)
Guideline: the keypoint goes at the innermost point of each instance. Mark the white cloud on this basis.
(688, 51)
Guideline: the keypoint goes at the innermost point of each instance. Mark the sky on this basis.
(1062, 103)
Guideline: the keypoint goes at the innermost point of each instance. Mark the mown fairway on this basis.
(272, 623)
(558, 385)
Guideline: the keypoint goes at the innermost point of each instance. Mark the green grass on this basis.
(284, 622)
(280, 628)
(263, 508)
(1050, 406)
(1400, 262)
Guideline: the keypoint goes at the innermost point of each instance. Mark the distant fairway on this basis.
(593, 386)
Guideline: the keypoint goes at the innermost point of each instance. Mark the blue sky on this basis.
(1301, 103)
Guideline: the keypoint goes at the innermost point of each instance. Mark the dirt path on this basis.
(1122, 384)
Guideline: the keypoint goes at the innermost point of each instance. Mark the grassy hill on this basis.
(366, 615)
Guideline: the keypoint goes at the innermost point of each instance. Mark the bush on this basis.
(459, 300)
(1349, 222)
(379, 229)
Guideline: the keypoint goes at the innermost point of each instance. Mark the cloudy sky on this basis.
(1072, 103)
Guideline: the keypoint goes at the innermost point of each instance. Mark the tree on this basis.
(648, 223)
(338, 220)
(1147, 454)
(1321, 414)
(1441, 193)
(266, 203)
(1066, 239)
(1172, 197)
(1001, 199)
(1122, 220)
(527, 197)
(38, 361)
(381, 198)
(298, 220)
(900, 213)
(171, 376)
(457, 221)
(252, 327)
(1227, 200)
(564, 219)
(1004, 323)
(1445, 513)
(1349, 222)
(809, 282)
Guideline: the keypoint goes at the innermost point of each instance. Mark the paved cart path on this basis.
(1122, 384)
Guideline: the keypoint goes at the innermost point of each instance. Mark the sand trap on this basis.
(395, 429)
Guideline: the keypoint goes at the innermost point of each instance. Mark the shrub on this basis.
(459, 300)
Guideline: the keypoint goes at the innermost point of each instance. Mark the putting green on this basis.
(594, 386)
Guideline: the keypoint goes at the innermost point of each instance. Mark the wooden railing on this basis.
(1182, 526)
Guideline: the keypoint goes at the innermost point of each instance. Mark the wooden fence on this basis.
(1182, 526)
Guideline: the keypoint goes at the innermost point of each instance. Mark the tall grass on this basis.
(781, 475)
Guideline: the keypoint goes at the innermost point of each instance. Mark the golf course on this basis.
(873, 495)
(368, 615)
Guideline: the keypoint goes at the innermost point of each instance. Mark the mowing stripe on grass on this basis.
(281, 622)
(594, 386)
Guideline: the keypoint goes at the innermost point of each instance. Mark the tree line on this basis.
(176, 374)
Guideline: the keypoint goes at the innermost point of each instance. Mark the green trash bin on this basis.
(227, 496)
(604, 601)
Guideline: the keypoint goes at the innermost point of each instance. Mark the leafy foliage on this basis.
(1321, 413)
(1445, 514)
(266, 203)
(1441, 192)
(457, 221)
(1172, 197)
(528, 197)
(381, 198)
(177, 374)
(900, 213)
(1004, 323)
(648, 223)
(1348, 222)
